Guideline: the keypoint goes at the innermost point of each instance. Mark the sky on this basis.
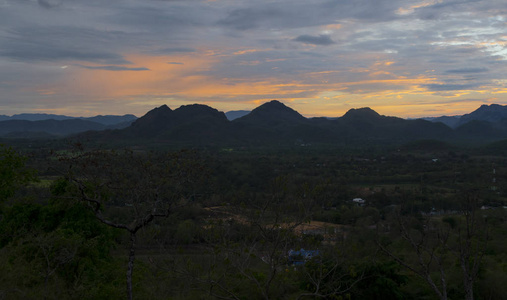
(405, 58)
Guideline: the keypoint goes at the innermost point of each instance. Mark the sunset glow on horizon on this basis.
(401, 58)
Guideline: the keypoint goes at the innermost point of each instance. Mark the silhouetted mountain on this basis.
(492, 113)
(234, 114)
(366, 124)
(38, 117)
(364, 113)
(272, 123)
(199, 123)
(52, 127)
(451, 121)
(273, 113)
(109, 120)
(185, 123)
(112, 120)
(483, 130)
(153, 121)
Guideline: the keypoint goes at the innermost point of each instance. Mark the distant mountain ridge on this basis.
(49, 125)
(105, 120)
(492, 113)
(272, 123)
(234, 114)
(186, 123)
(270, 114)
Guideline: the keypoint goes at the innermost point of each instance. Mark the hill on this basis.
(189, 123)
(271, 124)
(493, 113)
(20, 128)
(234, 114)
(49, 125)
(490, 113)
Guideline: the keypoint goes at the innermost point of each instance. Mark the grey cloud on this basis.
(323, 40)
(303, 14)
(286, 65)
(249, 18)
(477, 7)
(95, 33)
(49, 3)
(161, 18)
(165, 51)
(449, 87)
(59, 43)
(113, 68)
(468, 70)
(44, 53)
(365, 10)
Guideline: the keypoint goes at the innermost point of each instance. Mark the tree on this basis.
(13, 172)
(438, 244)
(127, 190)
(426, 243)
(470, 242)
(54, 249)
(249, 244)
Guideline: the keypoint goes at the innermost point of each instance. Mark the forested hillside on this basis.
(420, 222)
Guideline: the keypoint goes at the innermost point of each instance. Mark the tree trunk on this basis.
(469, 289)
(130, 268)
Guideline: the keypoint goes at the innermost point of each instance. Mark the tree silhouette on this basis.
(128, 190)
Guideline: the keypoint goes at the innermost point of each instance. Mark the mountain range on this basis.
(492, 113)
(272, 123)
(51, 126)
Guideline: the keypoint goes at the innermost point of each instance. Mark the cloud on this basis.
(49, 3)
(440, 10)
(250, 18)
(50, 54)
(322, 39)
(59, 43)
(169, 17)
(467, 70)
(449, 87)
(171, 50)
(383, 49)
(113, 68)
(300, 14)
(364, 10)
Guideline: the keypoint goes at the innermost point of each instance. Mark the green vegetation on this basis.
(206, 224)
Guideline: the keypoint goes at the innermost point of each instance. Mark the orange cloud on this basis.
(324, 93)
(242, 52)
(333, 26)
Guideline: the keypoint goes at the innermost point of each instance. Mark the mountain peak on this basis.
(489, 113)
(193, 112)
(193, 109)
(272, 112)
(274, 104)
(277, 107)
(365, 112)
(161, 110)
(154, 118)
